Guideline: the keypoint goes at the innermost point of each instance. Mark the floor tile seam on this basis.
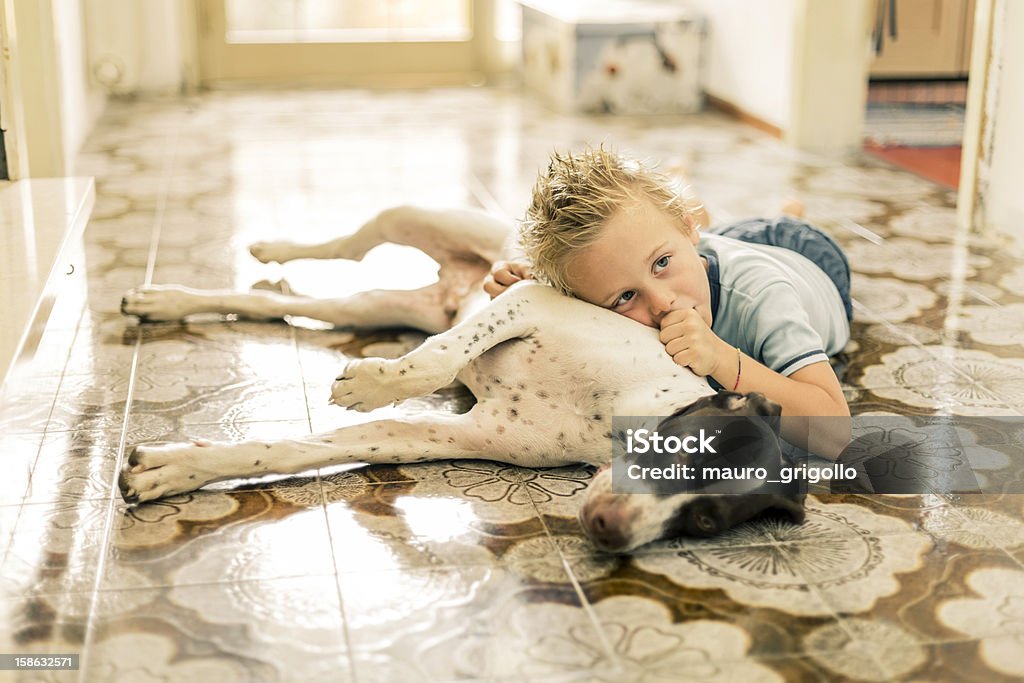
(169, 159)
(42, 440)
(346, 635)
(107, 589)
(840, 620)
(482, 194)
(110, 589)
(864, 233)
(588, 607)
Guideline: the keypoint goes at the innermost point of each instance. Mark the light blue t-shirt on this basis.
(777, 306)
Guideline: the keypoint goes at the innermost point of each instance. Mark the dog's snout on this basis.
(607, 525)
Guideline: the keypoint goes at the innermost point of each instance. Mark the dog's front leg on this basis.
(369, 383)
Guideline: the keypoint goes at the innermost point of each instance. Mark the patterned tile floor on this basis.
(473, 571)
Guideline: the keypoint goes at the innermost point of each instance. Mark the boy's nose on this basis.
(662, 301)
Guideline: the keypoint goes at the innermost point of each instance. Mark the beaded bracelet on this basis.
(739, 368)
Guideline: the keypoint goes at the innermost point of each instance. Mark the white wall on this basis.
(750, 54)
(139, 47)
(1004, 201)
(80, 102)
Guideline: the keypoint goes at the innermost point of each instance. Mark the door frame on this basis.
(986, 52)
(32, 106)
(982, 96)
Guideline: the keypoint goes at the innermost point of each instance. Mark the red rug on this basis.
(939, 164)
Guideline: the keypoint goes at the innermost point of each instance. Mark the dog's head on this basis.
(620, 522)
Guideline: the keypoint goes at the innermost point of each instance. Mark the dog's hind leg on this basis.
(442, 234)
(155, 471)
(428, 309)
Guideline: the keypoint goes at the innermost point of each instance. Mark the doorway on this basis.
(917, 92)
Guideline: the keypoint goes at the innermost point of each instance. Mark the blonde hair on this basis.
(577, 195)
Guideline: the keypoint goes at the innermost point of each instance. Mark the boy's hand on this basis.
(504, 274)
(690, 341)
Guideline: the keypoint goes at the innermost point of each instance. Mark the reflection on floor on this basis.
(469, 570)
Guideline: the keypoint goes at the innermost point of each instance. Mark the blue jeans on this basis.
(803, 238)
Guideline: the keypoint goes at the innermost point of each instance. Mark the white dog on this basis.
(548, 372)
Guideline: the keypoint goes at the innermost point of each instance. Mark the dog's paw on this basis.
(156, 471)
(366, 384)
(160, 303)
(272, 252)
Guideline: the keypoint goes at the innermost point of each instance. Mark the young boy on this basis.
(730, 306)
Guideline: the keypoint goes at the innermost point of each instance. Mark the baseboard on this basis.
(743, 115)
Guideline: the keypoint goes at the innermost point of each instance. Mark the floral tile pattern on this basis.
(474, 570)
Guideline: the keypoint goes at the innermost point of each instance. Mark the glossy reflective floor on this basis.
(468, 570)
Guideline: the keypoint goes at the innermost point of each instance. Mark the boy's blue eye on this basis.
(624, 298)
(662, 263)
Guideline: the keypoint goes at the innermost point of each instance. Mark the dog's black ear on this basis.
(760, 404)
(745, 507)
(792, 505)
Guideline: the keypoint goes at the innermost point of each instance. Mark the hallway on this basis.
(473, 570)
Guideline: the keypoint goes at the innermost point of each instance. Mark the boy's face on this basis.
(642, 266)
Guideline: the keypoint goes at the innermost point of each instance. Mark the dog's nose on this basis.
(606, 527)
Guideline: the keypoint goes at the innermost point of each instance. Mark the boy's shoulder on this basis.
(741, 264)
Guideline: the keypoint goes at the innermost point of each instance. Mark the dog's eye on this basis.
(705, 523)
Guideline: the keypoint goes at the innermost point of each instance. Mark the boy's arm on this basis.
(812, 391)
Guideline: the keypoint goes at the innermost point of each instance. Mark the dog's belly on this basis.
(586, 360)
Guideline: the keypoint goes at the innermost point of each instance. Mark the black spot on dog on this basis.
(257, 463)
(374, 449)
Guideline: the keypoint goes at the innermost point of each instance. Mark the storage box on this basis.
(613, 56)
